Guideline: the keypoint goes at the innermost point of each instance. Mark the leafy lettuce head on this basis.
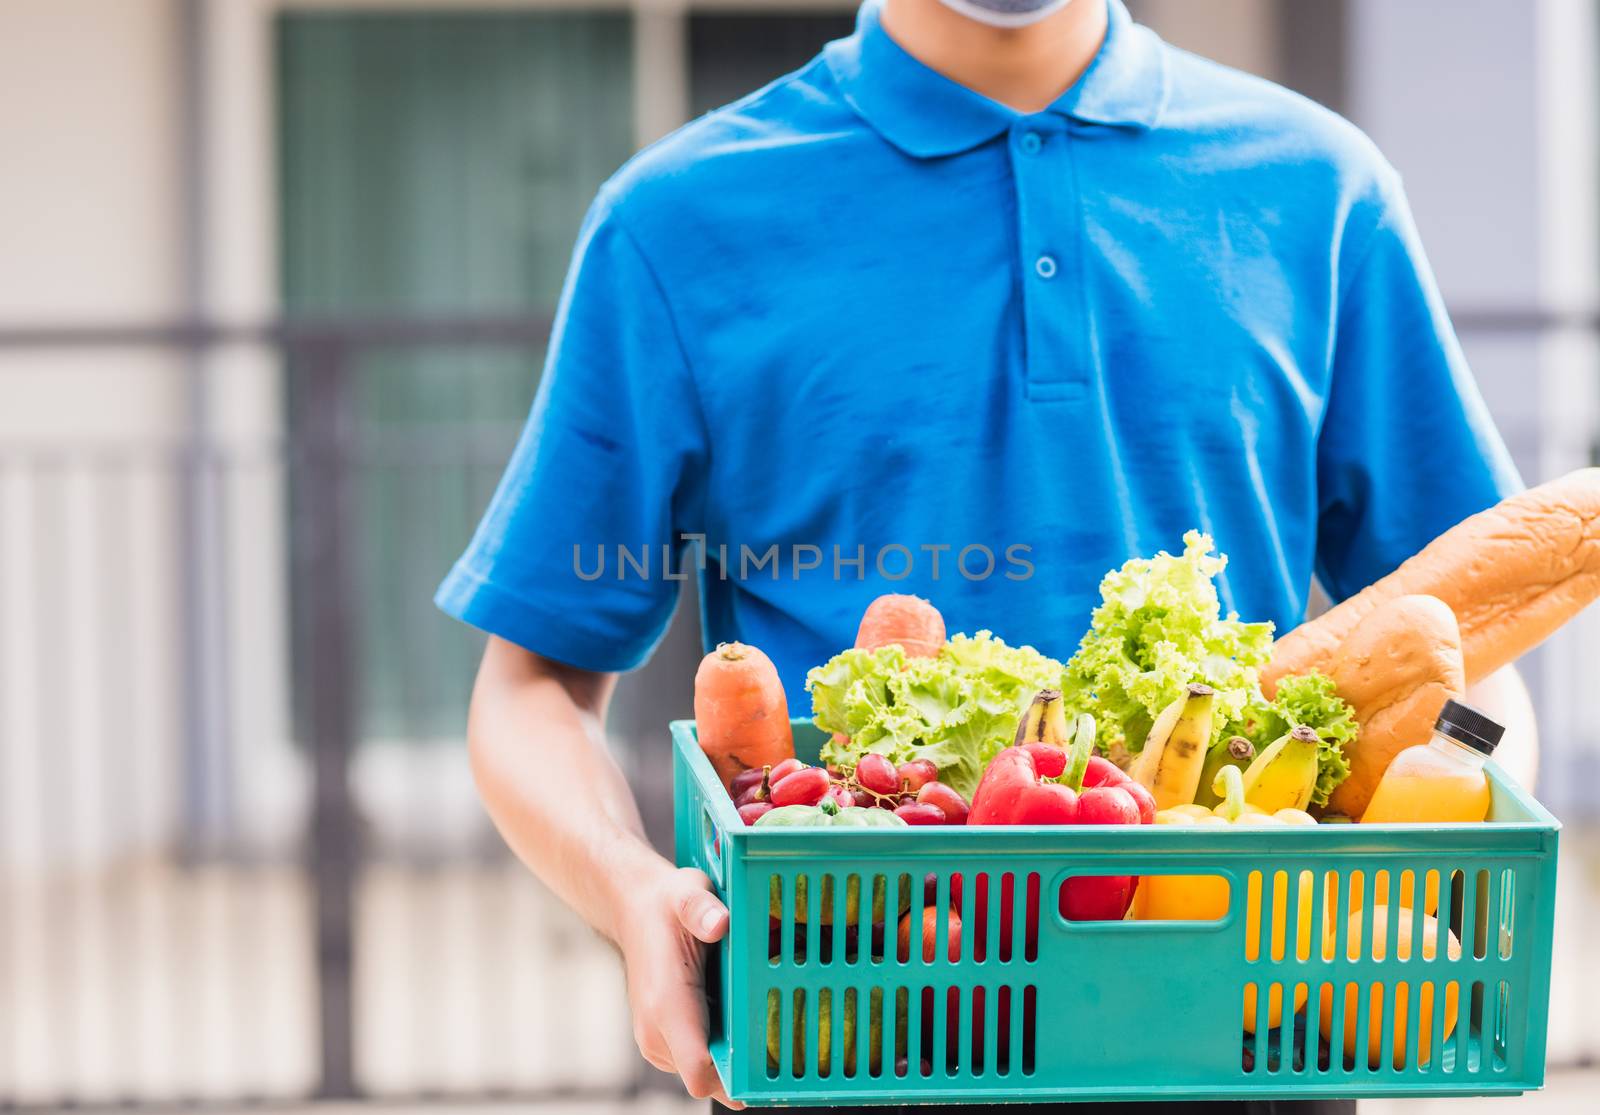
(957, 710)
(1158, 628)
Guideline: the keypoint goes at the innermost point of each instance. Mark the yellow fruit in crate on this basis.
(1279, 904)
(852, 900)
(1377, 948)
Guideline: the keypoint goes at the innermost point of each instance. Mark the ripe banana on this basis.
(1045, 721)
(1283, 776)
(1235, 751)
(1155, 740)
(1169, 766)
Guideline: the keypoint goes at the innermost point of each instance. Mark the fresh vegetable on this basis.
(930, 946)
(786, 768)
(753, 811)
(753, 779)
(956, 710)
(740, 712)
(825, 815)
(1284, 775)
(1015, 792)
(1205, 897)
(909, 622)
(824, 1033)
(828, 815)
(1174, 753)
(1160, 628)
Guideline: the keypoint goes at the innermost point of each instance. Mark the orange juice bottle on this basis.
(1443, 779)
(1438, 781)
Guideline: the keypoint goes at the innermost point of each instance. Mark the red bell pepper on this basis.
(1040, 784)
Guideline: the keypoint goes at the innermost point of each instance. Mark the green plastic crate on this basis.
(1111, 1010)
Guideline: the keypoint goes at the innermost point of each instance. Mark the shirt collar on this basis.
(926, 115)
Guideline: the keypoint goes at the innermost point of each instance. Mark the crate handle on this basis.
(711, 839)
(1237, 899)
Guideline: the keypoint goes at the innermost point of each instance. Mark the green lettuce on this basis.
(957, 710)
(1160, 627)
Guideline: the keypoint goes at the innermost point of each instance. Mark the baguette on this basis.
(1396, 669)
(1512, 575)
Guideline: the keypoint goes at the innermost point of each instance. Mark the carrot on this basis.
(908, 620)
(740, 712)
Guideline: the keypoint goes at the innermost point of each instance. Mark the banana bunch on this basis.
(1175, 750)
(1283, 775)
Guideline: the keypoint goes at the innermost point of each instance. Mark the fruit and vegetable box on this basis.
(1190, 861)
(989, 994)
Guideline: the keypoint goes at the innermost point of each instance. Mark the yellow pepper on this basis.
(1205, 897)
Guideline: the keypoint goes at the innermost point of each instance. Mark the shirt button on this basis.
(1032, 144)
(1045, 266)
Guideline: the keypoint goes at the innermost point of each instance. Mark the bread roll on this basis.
(1511, 574)
(1396, 669)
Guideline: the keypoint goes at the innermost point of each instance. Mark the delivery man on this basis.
(989, 297)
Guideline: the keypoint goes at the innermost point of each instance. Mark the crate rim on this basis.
(1014, 837)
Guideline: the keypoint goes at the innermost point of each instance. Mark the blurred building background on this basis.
(275, 277)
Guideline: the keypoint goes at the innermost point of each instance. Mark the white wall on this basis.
(92, 684)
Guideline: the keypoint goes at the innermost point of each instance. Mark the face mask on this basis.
(1006, 13)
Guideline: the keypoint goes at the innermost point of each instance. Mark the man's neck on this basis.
(1025, 68)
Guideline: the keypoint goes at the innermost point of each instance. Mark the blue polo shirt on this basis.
(868, 331)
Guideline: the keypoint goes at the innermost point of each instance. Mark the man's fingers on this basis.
(693, 1062)
(699, 911)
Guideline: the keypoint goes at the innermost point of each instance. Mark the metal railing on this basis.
(327, 858)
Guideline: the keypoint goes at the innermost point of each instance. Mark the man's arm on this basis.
(562, 804)
(1504, 697)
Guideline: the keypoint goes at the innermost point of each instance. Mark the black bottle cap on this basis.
(1466, 725)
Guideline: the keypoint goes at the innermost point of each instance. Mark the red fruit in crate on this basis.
(1089, 897)
(949, 802)
(751, 794)
(930, 926)
(876, 773)
(803, 787)
(745, 779)
(842, 797)
(752, 812)
(1048, 759)
(916, 774)
(920, 813)
(785, 769)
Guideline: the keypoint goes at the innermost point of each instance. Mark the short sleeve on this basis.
(1407, 448)
(601, 478)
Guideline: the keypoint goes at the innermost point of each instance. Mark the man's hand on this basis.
(561, 802)
(663, 940)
